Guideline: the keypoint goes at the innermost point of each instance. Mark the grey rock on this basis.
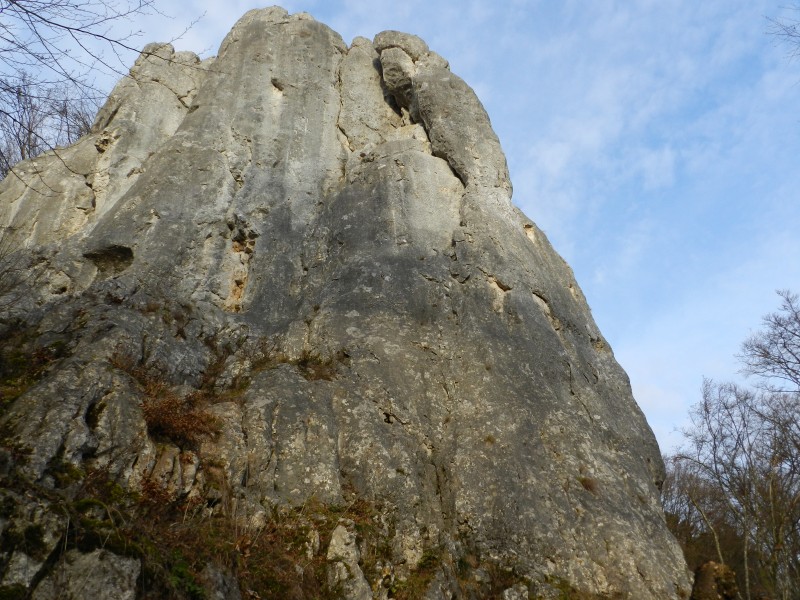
(398, 73)
(454, 119)
(412, 45)
(366, 118)
(63, 193)
(459, 129)
(518, 592)
(220, 585)
(99, 575)
(344, 573)
(31, 531)
(21, 569)
(321, 240)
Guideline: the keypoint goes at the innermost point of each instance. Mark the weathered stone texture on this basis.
(323, 237)
(99, 575)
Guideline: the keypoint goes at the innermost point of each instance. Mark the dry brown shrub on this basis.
(314, 367)
(184, 420)
(181, 420)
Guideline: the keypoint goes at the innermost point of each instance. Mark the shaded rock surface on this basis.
(294, 274)
(97, 574)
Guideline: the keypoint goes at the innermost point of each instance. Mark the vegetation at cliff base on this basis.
(732, 492)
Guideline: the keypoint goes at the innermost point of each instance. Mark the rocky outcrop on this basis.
(280, 301)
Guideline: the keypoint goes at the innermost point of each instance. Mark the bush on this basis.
(181, 420)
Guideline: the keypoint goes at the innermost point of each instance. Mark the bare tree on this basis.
(49, 50)
(773, 354)
(719, 451)
(737, 478)
(37, 118)
(787, 30)
(690, 504)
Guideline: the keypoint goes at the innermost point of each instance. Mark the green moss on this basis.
(90, 534)
(420, 578)
(183, 579)
(431, 558)
(85, 504)
(63, 472)
(116, 494)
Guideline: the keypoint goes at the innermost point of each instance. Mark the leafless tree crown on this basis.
(49, 51)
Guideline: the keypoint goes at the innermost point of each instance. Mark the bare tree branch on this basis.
(787, 31)
(50, 53)
(774, 352)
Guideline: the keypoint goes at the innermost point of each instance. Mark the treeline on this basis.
(732, 492)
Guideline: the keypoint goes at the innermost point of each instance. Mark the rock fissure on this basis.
(180, 97)
(346, 142)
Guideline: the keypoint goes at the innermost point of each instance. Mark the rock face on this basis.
(285, 290)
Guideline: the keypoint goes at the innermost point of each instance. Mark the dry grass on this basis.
(184, 420)
(313, 367)
(176, 540)
(284, 559)
(21, 366)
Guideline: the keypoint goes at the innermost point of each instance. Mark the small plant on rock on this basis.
(181, 420)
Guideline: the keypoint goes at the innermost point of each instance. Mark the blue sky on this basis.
(655, 142)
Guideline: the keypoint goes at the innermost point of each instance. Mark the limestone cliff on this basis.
(275, 329)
